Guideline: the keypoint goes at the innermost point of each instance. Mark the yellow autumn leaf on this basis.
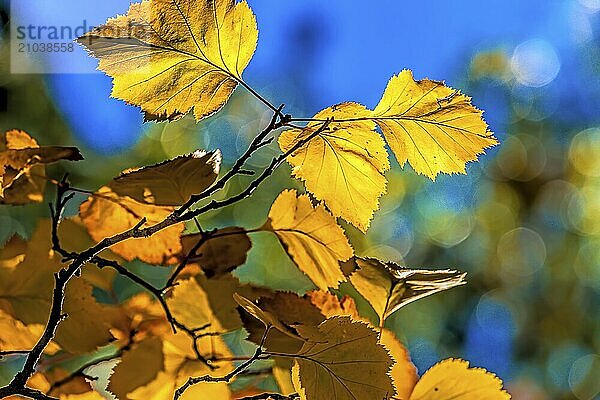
(403, 372)
(433, 127)
(181, 360)
(106, 214)
(85, 328)
(172, 182)
(139, 366)
(311, 236)
(453, 379)
(78, 390)
(199, 302)
(222, 252)
(388, 286)
(16, 336)
(343, 362)
(22, 171)
(169, 56)
(344, 165)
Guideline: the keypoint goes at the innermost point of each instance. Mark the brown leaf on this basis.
(344, 361)
(285, 312)
(172, 182)
(225, 250)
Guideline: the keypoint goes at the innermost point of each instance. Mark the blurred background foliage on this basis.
(524, 223)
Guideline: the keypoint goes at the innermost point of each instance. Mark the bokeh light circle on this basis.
(535, 63)
(584, 152)
(583, 377)
(521, 252)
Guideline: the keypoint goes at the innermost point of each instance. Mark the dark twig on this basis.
(226, 378)
(259, 141)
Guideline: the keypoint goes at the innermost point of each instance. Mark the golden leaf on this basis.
(312, 238)
(85, 328)
(433, 127)
(403, 373)
(172, 182)
(199, 302)
(343, 165)
(106, 214)
(222, 252)
(282, 373)
(78, 389)
(388, 287)
(169, 56)
(181, 360)
(343, 362)
(453, 379)
(16, 336)
(22, 175)
(138, 367)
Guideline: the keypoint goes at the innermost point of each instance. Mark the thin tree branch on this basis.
(226, 378)
(259, 141)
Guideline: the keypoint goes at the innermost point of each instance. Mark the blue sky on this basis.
(312, 54)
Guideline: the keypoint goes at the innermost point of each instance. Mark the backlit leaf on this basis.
(138, 367)
(453, 379)
(106, 214)
(283, 310)
(312, 238)
(22, 171)
(170, 183)
(388, 287)
(344, 165)
(169, 56)
(16, 336)
(433, 127)
(403, 373)
(198, 302)
(343, 362)
(330, 305)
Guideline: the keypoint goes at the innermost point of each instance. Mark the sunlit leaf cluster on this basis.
(172, 339)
